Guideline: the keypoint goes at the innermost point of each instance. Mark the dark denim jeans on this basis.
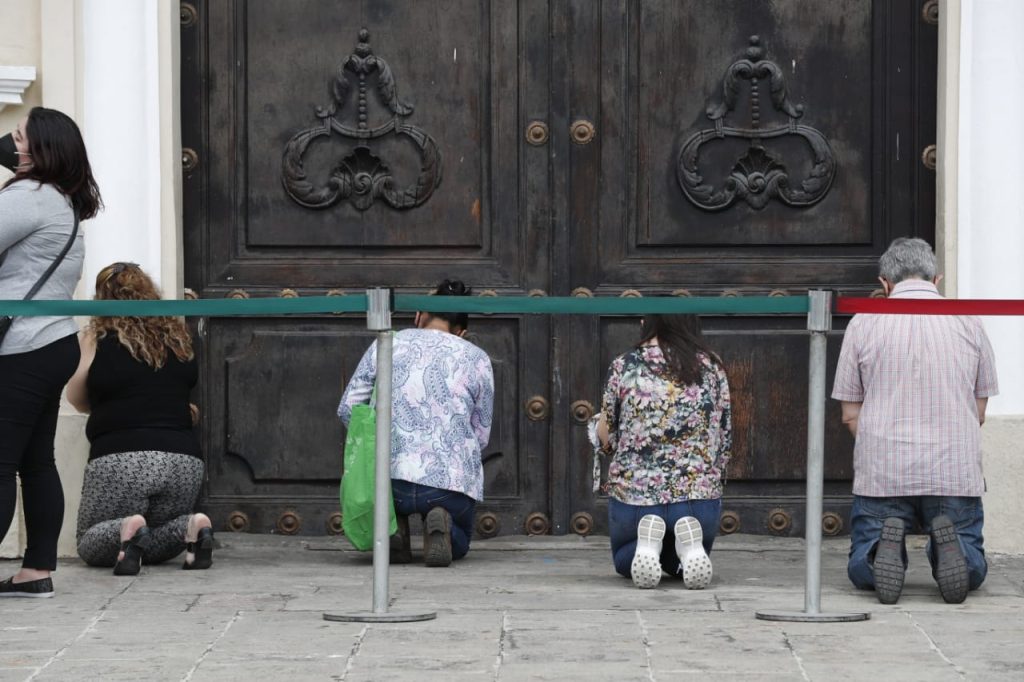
(413, 498)
(623, 519)
(869, 513)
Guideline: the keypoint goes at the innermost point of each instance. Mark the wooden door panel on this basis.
(823, 62)
(435, 180)
(273, 390)
(842, 175)
(862, 75)
(453, 86)
(470, 163)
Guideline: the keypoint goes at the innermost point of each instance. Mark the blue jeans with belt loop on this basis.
(413, 498)
(623, 519)
(869, 513)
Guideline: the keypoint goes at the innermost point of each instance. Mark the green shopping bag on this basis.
(357, 482)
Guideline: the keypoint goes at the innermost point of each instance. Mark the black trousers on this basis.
(30, 387)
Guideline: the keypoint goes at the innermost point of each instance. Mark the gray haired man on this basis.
(914, 390)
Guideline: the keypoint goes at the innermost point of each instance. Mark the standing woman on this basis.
(52, 189)
(667, 422)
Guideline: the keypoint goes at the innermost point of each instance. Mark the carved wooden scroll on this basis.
(361, 176)
(759, 175)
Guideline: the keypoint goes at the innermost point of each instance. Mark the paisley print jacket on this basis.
(442, 400)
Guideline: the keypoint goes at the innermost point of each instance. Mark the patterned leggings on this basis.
(162, 486)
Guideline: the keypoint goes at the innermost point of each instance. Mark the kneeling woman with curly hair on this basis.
(145, 464)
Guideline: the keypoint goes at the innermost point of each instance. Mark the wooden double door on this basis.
(539, 147)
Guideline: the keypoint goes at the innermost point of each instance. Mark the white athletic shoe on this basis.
(693, 560)
(646, 567)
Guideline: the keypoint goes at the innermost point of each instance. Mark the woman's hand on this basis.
(77, 392)
(193, 410)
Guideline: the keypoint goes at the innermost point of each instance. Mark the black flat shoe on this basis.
(201, 549)
(133, 550)
(41, 588)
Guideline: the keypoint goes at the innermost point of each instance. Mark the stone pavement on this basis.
(514, 609)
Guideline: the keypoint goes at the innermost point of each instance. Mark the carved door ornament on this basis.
(759, 175)
(361, 176)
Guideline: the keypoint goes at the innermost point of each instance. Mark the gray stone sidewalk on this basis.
(514, 609)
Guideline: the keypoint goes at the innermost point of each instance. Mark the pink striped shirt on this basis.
(918, 377)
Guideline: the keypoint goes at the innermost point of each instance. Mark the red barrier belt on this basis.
(917, 306)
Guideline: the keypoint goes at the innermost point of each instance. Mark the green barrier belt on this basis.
(222, 307)
(206, 307)
(708, 305)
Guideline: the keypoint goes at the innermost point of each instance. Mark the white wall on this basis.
(990, 238)
(990, 233)
(121, 115)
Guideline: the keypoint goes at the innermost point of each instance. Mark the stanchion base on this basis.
(388, 617)
(804, 617)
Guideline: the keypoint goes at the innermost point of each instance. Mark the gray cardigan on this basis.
(35, 223)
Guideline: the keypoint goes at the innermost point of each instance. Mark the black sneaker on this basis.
(437, 537)
(39, 589)
(888, 566)
(950, 566)
(401, 549)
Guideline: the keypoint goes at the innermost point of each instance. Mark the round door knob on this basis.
(582, 131)
(289, 523)
(928, 157)
(189, 160)
(537, 408)
(487, 525)
(582, 410)
(537, 133)
(779, 521)
(729, 523)
(334, 526)
(582, 523)
(537, 524)
(238, 522)
(831, 523)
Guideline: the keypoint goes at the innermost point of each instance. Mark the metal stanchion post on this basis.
(819, 323)
(378, 319)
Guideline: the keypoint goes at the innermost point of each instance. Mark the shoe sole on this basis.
(438, 549)
(26, 595)
(951, 568)
(695, 562)
(133, 553)
(646, 567)
(888, 566)
(203, 554)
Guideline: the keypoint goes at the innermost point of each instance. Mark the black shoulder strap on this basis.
(55, 264)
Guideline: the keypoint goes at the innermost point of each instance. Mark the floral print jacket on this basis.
(669, 443)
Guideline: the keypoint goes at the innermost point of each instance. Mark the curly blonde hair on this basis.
(147, 338)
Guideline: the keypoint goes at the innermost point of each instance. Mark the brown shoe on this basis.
(437, 538)
(401, 548)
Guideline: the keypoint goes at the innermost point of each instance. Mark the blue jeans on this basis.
(413, 498)
(869, 513)
(623, 519)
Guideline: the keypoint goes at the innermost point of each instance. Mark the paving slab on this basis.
(519, 608)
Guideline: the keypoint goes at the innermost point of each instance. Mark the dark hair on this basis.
(453, 287)
(680, 339)
(59, 159)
